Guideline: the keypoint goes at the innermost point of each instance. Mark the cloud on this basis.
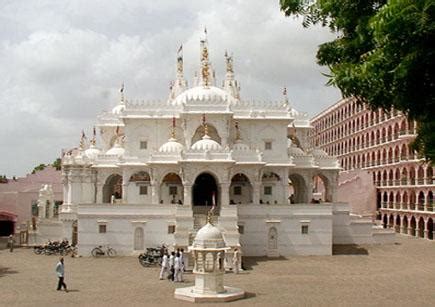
(62, 62)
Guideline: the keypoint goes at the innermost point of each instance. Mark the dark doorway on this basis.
(203, 190)
(6, 228)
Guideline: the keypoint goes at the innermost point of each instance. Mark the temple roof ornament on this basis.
(230, 84)
(121, 105)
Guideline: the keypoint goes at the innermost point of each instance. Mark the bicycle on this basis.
(103, 250)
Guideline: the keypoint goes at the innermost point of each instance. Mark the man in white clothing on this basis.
(171, 265)
(236, 260)
(165, 265)
(177, 267)
(60, 271)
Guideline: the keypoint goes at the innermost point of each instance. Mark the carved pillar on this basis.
(99, 192)
(154, 192)
(187, 194)
(256, 192)
(225, 194)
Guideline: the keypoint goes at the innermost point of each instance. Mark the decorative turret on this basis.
(206, 77)
(92, 152)
(230, 84)
(172, 145)
(121, 105)
(206, 143)
(180, 84)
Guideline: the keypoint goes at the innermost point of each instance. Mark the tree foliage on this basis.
(383, 55)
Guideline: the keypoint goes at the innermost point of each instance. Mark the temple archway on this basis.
(171, 190)
(298, 189)
(211, 131)
(205, 193)
(112, 188)
(430, 229)
(420, 228)
(240, 190)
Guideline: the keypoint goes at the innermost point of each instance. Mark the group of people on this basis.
(173, 265)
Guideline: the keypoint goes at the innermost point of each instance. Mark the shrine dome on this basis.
(92, 152)
(171, 146)
(209, 236)
(204, 93)
(206, 143)
(116, 150)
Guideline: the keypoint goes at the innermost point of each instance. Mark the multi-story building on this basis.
(379, 142)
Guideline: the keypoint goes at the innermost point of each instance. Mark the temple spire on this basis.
(94, 137)
(121, 92)
(204, 124)
(207, 75)
(230, 84)
(180, 84)
(82, 143)
(173, 128)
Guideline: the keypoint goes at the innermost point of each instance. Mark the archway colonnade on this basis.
(264, 186)
(409, 224)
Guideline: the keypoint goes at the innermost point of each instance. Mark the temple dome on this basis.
(171, 146)
(92, 152)
(116, 150)
(240, 146)
(209, 236)
(202, 93)
(206, 143)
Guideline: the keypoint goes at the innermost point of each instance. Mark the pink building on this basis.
(18, 198)
(379, 142)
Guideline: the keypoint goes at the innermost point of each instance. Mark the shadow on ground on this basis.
(249, 262)
(349, 249)
(6, 271)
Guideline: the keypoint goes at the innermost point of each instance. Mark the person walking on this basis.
(183, 264)
(11, 242)
(177, 268)
(165, 265)
(171, 266)
(60, 271)
(236, 261)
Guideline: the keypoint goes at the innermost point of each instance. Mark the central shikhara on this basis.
(160, 166)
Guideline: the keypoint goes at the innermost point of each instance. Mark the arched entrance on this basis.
(430, 229)
(272, 243)
(112, 189)
(297, 189)
(421, 227)
(240, 190)
(205, 194)
(138, 239)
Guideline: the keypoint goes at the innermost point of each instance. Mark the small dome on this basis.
(202, 93)
(209, 236)
(171, 146)
(92, 152)
(317, 152)
(118, 109)
(240, 146)
(206, 144)
(116, 150)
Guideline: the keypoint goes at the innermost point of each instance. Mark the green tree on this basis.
(383, 55)
(57, 164)
(40, 167)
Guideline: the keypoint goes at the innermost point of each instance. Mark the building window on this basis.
(143, 190)
(268, 145)
(241, 229)
(268, 190)
(102, 228)
(171, 229)
(304, 229)
(172, 190)
(237, 190)
(143, 145)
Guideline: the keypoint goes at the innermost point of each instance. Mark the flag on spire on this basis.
(121, 90)
(205, 30)
(180, 49)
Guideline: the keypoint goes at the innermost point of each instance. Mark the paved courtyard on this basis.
(401, 275)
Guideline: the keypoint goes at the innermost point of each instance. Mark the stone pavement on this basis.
(389, 275)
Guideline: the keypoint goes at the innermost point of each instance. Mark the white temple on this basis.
(161, 165)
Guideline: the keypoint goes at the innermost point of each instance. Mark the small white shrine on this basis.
(208, 251)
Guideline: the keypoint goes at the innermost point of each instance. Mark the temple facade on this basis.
(160, 166)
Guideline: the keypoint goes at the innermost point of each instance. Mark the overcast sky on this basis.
(62, 62)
